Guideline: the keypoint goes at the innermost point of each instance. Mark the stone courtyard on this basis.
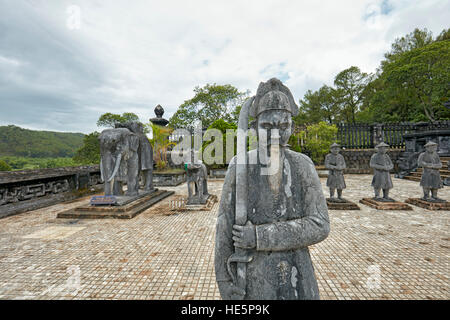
(164, 254)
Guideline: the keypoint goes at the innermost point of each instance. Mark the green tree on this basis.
(418, 80)
(223, 127)
(210, 103)
(317, 140)
(89, 153)
(416, 39)
(350, 91)
(320, 105)
(110, 119)
(160, 143)
(4, 166)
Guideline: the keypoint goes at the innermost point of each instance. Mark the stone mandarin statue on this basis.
(197, 182)
(382, 164)
(265, 255)
(335, 163)
(431, 178)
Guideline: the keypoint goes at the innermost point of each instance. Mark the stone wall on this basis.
(357, 161)
(21, 191)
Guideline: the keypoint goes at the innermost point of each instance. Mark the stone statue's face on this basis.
(275, 124)
(431, 149)
(335, 150)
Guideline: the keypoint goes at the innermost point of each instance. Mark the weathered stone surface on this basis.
(429, 204)
(431, 178)
(161, 255)
(341, 205)
(335, 163)
(161, 179)
(381, 164)
(262, 252)
(197, 183)
(179, 204)
(385, 205)
(125, 153)
(128, 207)
(21, 191)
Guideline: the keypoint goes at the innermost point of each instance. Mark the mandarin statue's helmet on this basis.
(273, 95)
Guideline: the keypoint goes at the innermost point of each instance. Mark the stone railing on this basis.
(21, 191)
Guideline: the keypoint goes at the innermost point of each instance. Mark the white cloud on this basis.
(144, 53)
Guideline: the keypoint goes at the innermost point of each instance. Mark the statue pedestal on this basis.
(126, 207)
(385, 205)
(344, 205)
(429, 205)
(180, 204)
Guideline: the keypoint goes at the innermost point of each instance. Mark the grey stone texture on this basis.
(22, 191)
(382, 165)
(267, 257)
(335, 163)
(197, 183)
(431, 178)
(125, 153)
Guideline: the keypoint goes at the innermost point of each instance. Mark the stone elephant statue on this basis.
(145, 152)
(119, 161)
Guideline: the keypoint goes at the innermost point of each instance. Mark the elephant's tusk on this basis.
(116, 167)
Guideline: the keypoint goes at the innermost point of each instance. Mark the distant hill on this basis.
(16, 141)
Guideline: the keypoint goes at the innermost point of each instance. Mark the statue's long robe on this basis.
(431, 178)
(285, 226)
(381, 178)
(335, 176)
(146, 153)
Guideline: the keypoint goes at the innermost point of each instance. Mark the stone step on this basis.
(419, 174)
(412, 178)
(442, 171)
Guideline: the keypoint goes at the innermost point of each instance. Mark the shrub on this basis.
(4, 166)
(317, 139)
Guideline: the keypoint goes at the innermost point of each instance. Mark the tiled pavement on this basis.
(369, 254)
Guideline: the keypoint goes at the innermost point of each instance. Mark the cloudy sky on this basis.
(64, 63)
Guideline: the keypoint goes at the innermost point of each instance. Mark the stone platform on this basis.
(382, 205)
(180, 204)
(346, 205)
(127, 208)
(429, 205)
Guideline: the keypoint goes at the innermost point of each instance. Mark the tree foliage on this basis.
(89, 153)
(4, 166)
(411, 84)
(24, 163)
(228, 131)
(317, 139)
(160, 143)
(110, 119)
(350, 91)
(320, 105)
(19, 142)
(210, 103)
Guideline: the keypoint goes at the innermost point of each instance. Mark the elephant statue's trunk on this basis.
(116, 167)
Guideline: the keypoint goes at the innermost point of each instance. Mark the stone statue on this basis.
(196, 182)
(335, 163)
(145, 152)
(431, 178)
(382, 164)
(119, 161)
(270, 212)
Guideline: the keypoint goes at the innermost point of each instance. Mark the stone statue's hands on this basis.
(230, 292)
(244, 236)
